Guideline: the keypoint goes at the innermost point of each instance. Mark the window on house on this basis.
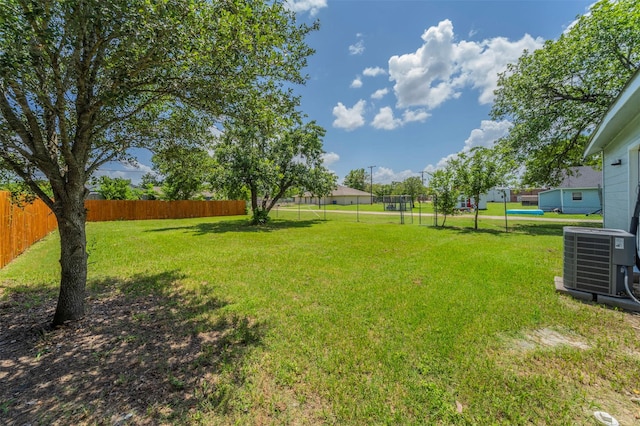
(576, 196)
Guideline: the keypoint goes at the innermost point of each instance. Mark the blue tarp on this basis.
(537, 212)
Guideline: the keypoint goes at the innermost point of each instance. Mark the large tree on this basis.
(84, 81)
(185, 170)
(356, 179)
(478, 171)
(267, 158)
(556, 95)
(413, 187)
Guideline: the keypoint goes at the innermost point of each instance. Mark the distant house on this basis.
(576, 194)
(498, 194)
(617, 139)
(530, 195)
(466, 203)
(342, 196)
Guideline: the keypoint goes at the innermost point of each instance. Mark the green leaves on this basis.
(115, 188)
(267, 156)
(478, 171)
(444, 190)
(556, 95)
(356, 179)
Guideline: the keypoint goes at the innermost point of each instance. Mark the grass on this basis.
(374, 323)
(493, 209)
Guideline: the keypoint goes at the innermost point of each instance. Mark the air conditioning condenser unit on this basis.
(596, 259)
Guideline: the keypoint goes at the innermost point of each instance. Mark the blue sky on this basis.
(404, 84)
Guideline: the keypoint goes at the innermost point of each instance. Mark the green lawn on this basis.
(363, 323)
(493, 209)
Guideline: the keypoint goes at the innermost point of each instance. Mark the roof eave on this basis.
(617, 114)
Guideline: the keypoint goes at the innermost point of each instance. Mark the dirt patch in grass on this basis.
(596, 376)
(546, 337)
(134, 359)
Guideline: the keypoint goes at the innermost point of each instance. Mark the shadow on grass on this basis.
(520, 228)
(469, 230)
(548, 228)
(147, 352)
(221, 227)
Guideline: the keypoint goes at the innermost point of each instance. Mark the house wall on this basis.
(590, 202)
(549, 200)
(562, 199)
(463, 201)
(497, 195)
(341, 200)
(349, 199)
(620, 182)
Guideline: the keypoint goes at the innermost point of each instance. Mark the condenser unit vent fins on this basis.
(592, 258)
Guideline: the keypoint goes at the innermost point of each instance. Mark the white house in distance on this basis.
(617, 138)
(497, 195)
(342, 196)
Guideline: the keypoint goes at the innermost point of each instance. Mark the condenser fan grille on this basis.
(592, 257)
(591, 267)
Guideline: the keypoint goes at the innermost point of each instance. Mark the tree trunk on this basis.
(73, 259)
(476, 202)
(254, 199)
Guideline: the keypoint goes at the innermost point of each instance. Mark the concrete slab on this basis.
(619, 302)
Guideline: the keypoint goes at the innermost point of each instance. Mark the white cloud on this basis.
(488, 133)
(418, 115)
(480, 63)
(135, 165)
(356, 83)
(442, 163)
(385, 175)
(586, 14)
(132, 170)
(380, 93)
(385, 120)
(440, 68)
(349, 118)
(330, 158)
(423, 77)
(373, 71)
(311, 6)
(357, 48)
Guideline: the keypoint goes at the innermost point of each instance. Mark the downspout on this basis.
(601, 191)
(562, 200)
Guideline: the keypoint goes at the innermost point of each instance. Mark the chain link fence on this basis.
(400, 209)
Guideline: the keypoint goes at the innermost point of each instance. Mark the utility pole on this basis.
(422, 198)
(422, 179)
(371, 184)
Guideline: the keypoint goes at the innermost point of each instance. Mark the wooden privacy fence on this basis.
(20, 227)
(106, 210)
